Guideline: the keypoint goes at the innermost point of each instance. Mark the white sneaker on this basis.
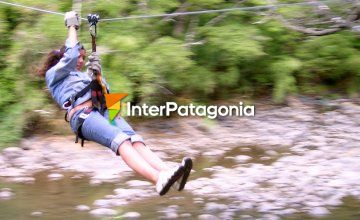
(168, 178)
(180, 183)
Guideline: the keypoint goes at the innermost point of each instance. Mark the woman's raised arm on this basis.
(68, 62)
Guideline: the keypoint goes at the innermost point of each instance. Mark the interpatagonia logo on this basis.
(113, 103)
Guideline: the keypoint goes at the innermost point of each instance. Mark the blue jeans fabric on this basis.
(97, 128)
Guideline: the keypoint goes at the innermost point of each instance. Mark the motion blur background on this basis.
(297, 158)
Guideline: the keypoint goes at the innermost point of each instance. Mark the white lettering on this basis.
(154, 110)
(183, 110)
(169, 108)
(211, 111)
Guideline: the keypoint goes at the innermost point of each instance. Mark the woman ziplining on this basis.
(82, 95)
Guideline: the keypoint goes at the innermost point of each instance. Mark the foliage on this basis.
(331, 60)
(284, 81)
(199, 57)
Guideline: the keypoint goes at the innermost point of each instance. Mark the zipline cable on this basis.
(252, 8)
(35, 9)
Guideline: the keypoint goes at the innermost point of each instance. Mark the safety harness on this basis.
(96, 86)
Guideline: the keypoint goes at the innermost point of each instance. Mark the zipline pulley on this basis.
(93, 19)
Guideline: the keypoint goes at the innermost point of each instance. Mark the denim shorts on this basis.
(97, 128)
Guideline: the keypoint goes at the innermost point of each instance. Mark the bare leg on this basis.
(136, 162)
(150, 157)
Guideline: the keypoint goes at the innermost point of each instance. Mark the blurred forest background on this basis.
(309, 50)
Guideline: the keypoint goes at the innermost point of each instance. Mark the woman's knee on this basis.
(123, 146)
(137, 139)
(119, 139)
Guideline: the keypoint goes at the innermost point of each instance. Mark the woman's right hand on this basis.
(93, 64)
(71, 19)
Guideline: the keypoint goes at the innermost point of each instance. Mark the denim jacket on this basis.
(64, 81)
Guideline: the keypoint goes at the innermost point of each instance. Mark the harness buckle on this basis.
(67, 104)
(83, 115)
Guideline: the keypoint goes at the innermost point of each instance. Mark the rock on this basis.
(319, 212)
(131, 215)
(209, 169)
(2, 160)
(265, 207)
(177, 198)
(313, 203)
(12, 152)
(242, 158)
(271, 217)
(134, 194)
(22, 179)
(25, 147)
(185, 215)
(198, 202)
(213, 207)
(118, 202)
(77, 176)
(110, 197)
(334, 201)
(137, 183)
(207, 217)
(5, 189)
(95, 182)
(103, 203)
(171, 215)
(36, 213)
(246, 205)
(27, 161)
(55, 176)
(173, 207)
(229, 158)
(337, 183)
(4, 195)
(82, 208)
(215, 152)
(246, 217)
(271, 153)
(12, 172)
(213, 199)
(170, 212)
(287, 211)
(106, 176)
(103, 212)
(227, 215)
(265, 158)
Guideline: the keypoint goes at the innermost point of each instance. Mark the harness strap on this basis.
(97, 97)
(98, 102)
(81, 93)
(79, 124)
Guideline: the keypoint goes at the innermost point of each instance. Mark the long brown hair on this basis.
(51, 60)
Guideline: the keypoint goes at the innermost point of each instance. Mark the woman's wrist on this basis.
(72, 36)
(73, 26)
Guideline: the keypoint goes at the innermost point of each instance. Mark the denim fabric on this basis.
(98, 128)
(64, 81)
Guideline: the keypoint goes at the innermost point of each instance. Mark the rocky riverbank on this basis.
(309, 161)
